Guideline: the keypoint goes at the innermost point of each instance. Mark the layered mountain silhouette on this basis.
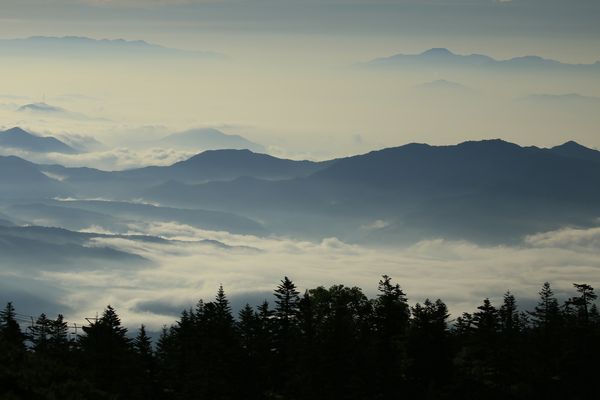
(41, 107)
(572, 149)
(483, 191)
(46, 110)
(17, 138)
(487, 191)
(212, 165)
(210, 139)
(57, 248)
(441, 57)
(15, 170)
(118, 216)
(84, 48)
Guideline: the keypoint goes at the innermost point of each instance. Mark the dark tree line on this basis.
(327, 343)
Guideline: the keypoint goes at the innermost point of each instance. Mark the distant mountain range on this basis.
(444, 58)
(210, 139)
(17, 138)
(208, 166)
(84, 48)
(562, 100)
(488, 191)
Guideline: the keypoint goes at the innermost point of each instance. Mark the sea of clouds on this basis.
(189, 268)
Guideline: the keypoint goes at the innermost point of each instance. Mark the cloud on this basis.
(573, 238)
(109, 160)
(461, 273)
(377, 224)
(81, 142)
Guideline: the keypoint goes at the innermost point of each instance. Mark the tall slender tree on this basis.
(546, 313)
(583, 302)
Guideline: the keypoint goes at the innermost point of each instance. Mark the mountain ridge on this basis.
(18, 138)
(443, 56)
(81, 46)
(490, 190)
(211, 139)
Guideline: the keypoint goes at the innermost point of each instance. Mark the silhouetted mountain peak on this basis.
(438, 52)
(16, 131)
(571, 144)
(224, 154)
(18, 138)
(488, 143)
(40, 107)
(232, 158)
(211, 139)
(441, 56)
(573, 149)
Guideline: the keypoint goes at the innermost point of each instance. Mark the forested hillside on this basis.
(327, 343)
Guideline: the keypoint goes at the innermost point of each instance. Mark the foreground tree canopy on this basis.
(327, 343)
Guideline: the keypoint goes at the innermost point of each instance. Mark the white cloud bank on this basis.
(460, 273)
(109, 160)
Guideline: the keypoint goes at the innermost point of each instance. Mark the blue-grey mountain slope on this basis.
(211, 165)
(488, 191)
(484, 191)
(443, 58)
(40, 248)
(53, 248)
(20, 179)
(572, 149)
(116, 215)
(17, 138)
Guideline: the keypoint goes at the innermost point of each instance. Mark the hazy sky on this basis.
(288, 82)
(547, 27)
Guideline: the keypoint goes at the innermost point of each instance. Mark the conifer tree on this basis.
(391, 315)
(222, 307)
(59, 335)
(107, 350)
(391, 309)
(40, 333)
(510, 318)
(428, 343)
(546, 313)
(142, 343)
(486, 319)
(10, 331)
(583, 302)
(464, 325)
(145, 364)
(287, 304)
(247, 327)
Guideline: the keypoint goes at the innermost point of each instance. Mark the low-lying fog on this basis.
(182, 271)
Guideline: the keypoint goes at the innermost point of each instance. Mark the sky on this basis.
(288, 81)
